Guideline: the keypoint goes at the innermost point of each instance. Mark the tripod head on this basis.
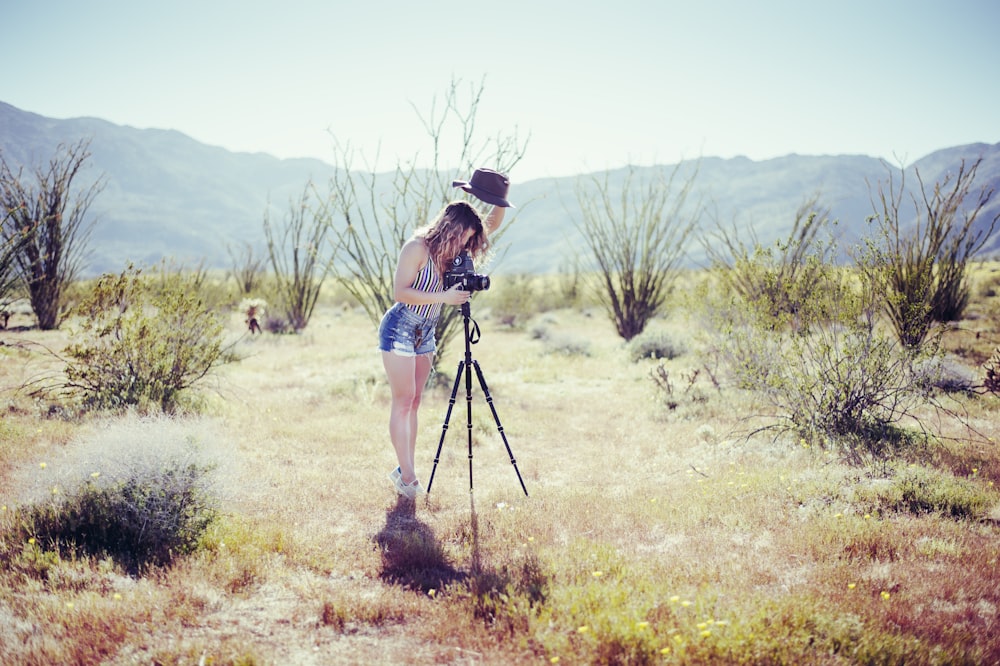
(472, 333)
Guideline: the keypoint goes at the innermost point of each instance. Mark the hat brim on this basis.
(482, 195)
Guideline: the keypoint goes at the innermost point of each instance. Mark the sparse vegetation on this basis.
(140, 345)
(808, 338)
(651, 535)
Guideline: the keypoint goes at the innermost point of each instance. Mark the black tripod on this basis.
(466, 365)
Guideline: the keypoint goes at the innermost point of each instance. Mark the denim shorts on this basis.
(406, 333)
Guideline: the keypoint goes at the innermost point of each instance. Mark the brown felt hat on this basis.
(487, 185)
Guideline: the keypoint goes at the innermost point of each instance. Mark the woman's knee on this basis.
(406, 402)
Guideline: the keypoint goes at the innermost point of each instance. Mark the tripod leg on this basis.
(447, 417)
(468, 421)
(489, 401)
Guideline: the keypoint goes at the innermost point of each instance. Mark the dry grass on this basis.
(650, 535)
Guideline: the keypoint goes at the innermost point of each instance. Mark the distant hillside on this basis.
(170, 196)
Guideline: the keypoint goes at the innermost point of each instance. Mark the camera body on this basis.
(463, 272)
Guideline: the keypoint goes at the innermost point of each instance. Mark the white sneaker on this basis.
(406, 490)
(395, 474)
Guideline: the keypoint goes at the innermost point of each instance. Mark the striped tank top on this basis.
(427, 280)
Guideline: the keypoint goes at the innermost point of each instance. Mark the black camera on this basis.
(463, 273)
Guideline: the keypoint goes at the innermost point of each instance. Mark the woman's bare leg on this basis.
(423, 371)
(407, 376)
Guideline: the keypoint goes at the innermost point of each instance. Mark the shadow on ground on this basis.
(412, 556)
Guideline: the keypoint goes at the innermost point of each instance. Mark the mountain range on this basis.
(169, 196)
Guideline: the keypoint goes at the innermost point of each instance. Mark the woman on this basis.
(406, 333)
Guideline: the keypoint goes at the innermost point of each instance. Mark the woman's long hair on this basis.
(444, 236)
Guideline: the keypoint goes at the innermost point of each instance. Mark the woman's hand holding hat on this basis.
(487, 185)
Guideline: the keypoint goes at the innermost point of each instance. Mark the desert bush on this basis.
(541, 327)
(989, 286)
(919, 490)
(833, 378)
(295, 248)
(10, 245)
(921, 267)
(246, 268)
(947, 374)
(672, 396)
(144, 520)
(783, 630)
(655, 346)
(140, 346)
(569, 281)
(210, 289)
(781, 278)
(566, 345)
(46, 227)
(636, 235)
(992, 369)
(513, 300)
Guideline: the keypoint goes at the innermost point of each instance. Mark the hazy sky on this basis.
(596, 84)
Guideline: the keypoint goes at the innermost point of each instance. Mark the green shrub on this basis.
(512, 300)
(654, 346)
(918, 490)
(828, 371)
(782, 278)
(541, 327)
(144, 520)
(794, 330)
(567, 345)
(141, 344)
